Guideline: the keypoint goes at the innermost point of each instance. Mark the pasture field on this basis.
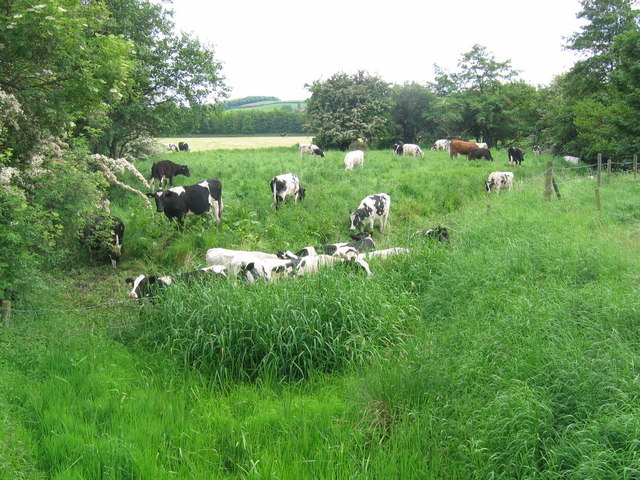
(200, 143)
(511, 351)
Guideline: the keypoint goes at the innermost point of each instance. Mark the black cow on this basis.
(148, 286)
(516, 156)
(180, 202)
(183, 146)
(478, 153)
(104, 234)
(166, 169)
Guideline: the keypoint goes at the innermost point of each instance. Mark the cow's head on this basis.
(159, 197)
(142, 286)
(183, 170)
(489, 184)
(300, 193)
(254, 271)
(317, 151)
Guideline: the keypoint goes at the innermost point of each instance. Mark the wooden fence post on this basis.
(6, 312)
(598, 199)
(608, 170)
(635, 166)
(548, 180)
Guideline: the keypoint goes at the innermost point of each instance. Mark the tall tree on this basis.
(60, 66)
(170, 71)
(477, 102)
(414, 111)
(345, 108)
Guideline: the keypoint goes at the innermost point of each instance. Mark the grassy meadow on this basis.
(511, 351)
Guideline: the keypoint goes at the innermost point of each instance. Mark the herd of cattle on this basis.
(105, 234)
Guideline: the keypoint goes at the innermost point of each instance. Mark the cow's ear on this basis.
(129, 280)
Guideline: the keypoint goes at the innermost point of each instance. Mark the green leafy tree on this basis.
(170, 71)
(478, 101)
(61, 66)
(413, 111)
(346, 108)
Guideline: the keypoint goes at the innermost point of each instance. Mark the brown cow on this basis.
(460, 146)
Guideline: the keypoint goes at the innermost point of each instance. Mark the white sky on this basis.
(275, 47)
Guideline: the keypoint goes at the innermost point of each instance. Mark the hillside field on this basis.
(510, 351)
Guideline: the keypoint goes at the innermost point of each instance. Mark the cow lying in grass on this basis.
(144, 286)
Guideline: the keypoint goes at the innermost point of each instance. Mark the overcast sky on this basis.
(275, 47)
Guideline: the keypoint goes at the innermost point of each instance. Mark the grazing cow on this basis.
(310, 149)
(166, 169)
(354, 159)
(171, 147)
(516, 156)
(442, 145)
(286, 185)
(458, 147)
(537, 150)
(498, 180)
(148, 286)
(397, 147)
(478, 153)
(371, 208)
(439, 233)
(183, 146)
(180, 202)
(482, 144)
(104, 234)
(572, 159)
(411, 149)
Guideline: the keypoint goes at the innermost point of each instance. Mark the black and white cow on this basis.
(166, 169)
(516, 156)
(144, 286)
(478, 153)
(180, 202)
(439, 233)
(103, 235)
(171, 147)
(310, 149)
(397, 147)
(286, 185)
(183, 146)
(343, 249)
(537, 150)
(498, 180)
(371, 208)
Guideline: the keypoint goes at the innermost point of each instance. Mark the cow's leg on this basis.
(216, 213)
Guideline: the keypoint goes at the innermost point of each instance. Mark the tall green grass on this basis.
(509, 352)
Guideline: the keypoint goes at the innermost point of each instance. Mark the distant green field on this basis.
(271, 105)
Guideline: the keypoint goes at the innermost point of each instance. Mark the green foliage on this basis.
(414, 112)
(27, 244)
(344, 108)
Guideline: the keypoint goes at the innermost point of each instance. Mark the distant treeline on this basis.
(246, 122)
(238, 102)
